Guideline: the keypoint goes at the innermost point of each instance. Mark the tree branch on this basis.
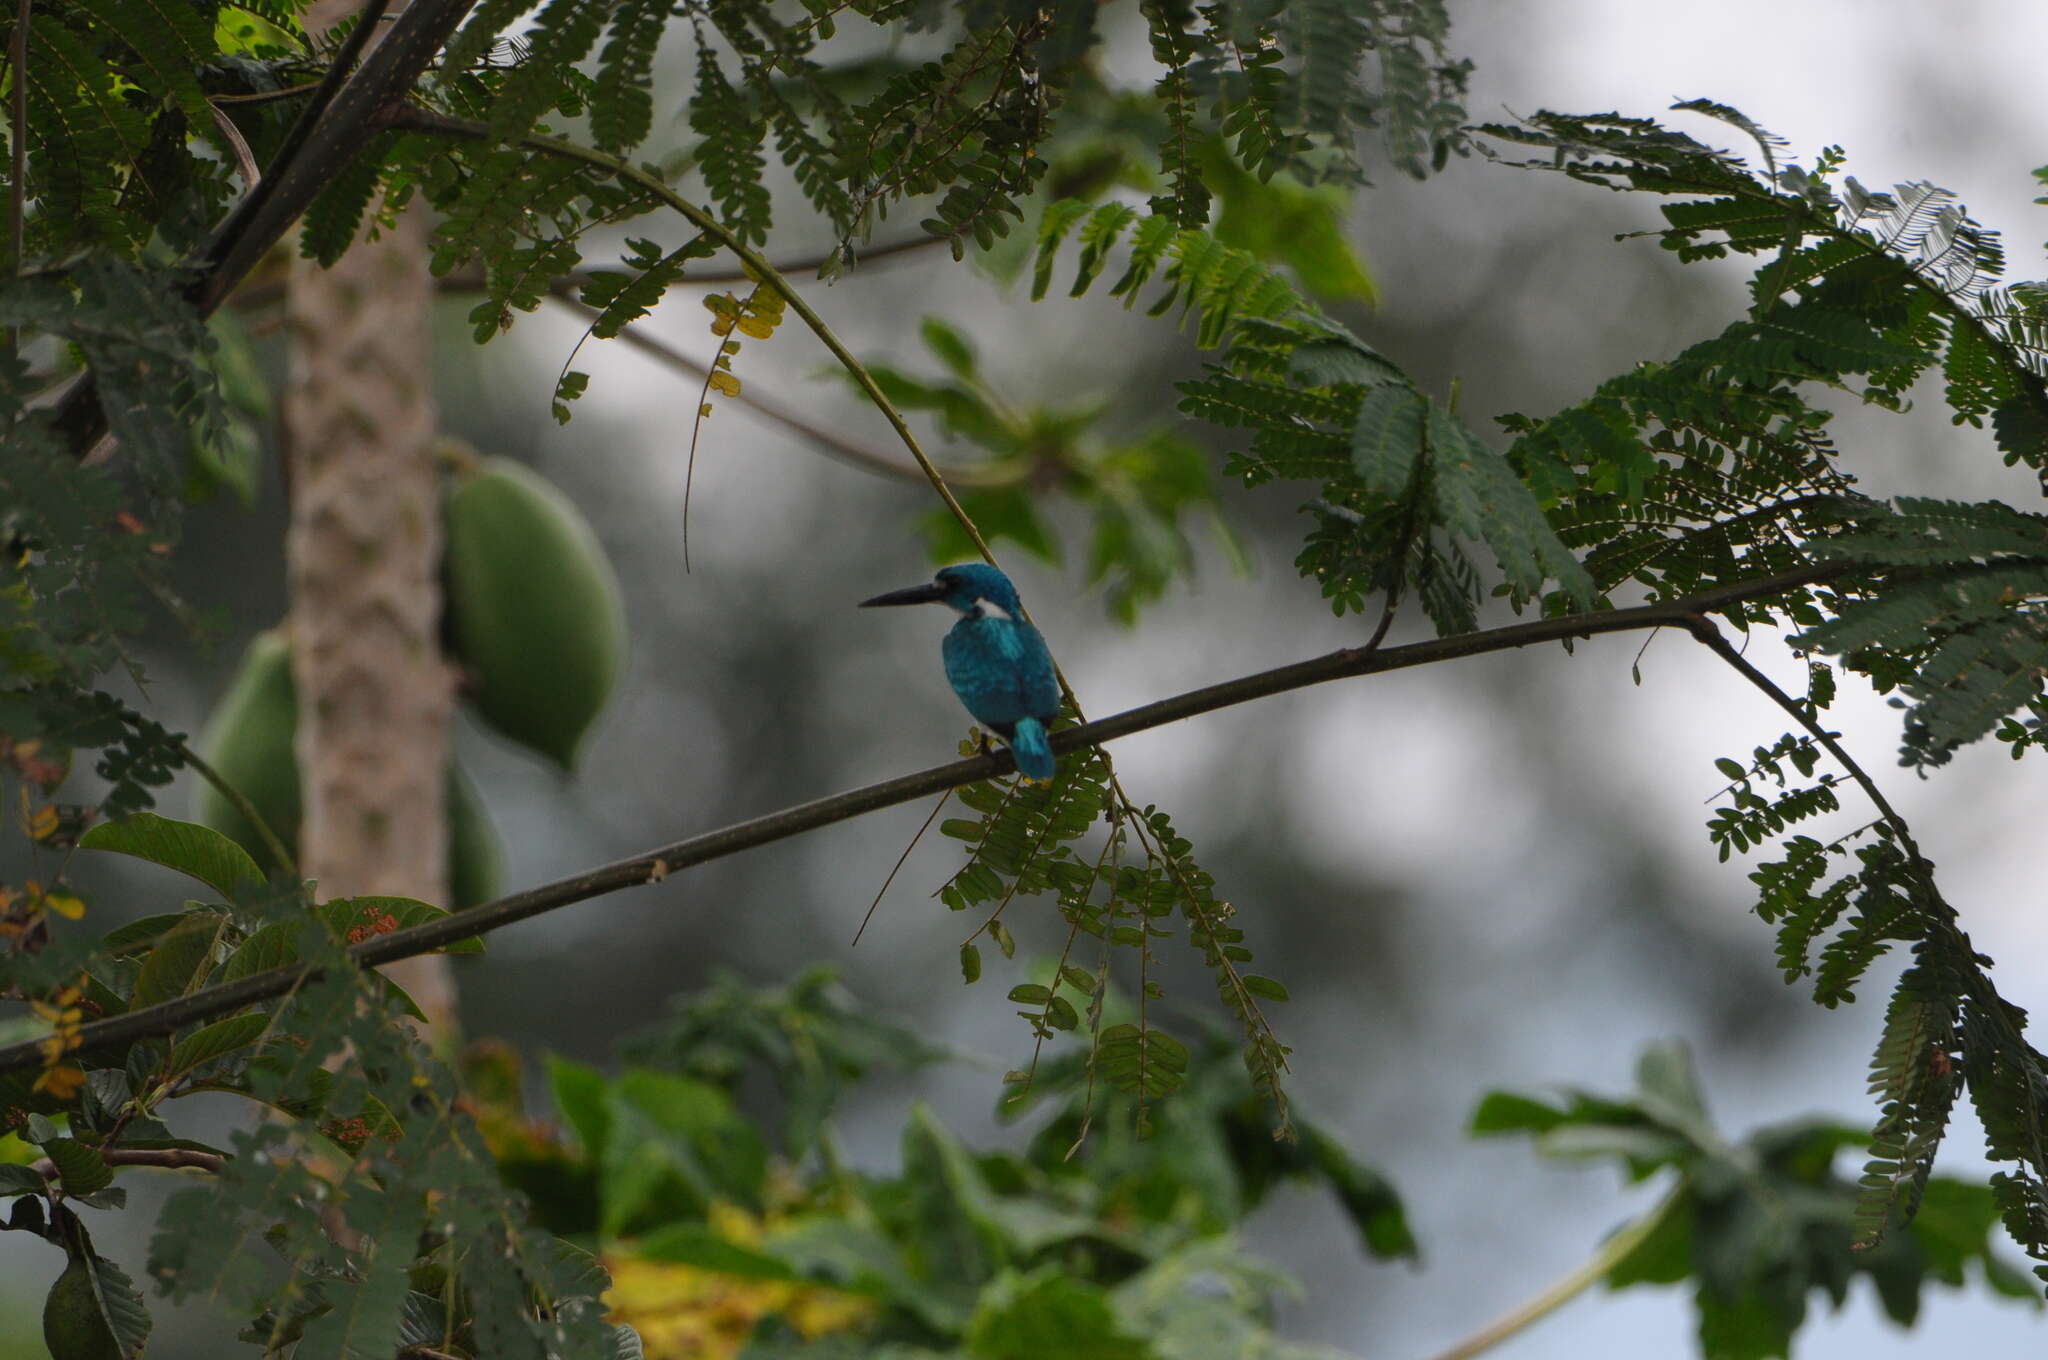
(169, 1159)
(263, 291)
(333, 132)
(656, 865)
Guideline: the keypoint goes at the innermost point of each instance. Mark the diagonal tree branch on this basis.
(656, 865)
(261, 290)
(329, 141)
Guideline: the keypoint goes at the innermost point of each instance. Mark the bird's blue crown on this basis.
(971, 583)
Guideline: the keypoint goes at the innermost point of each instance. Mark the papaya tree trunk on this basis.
(363, 554)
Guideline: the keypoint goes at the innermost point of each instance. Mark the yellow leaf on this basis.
(705, 410)
(726, 383)
(722, 326)
(760, 328)
(61, 1081)
(67, 905)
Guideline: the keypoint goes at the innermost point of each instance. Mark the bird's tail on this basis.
(1034, 754)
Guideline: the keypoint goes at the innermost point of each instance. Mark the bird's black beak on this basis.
(931, 592)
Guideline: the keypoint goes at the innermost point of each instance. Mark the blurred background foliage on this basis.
(1480, 878)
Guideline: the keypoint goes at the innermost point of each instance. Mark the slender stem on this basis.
(1709, 633)
(827, 441)
(883, 891)
(657, 865)
(272, 845)
(1612, 1252)
(245, 159)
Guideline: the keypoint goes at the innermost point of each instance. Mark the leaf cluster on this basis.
(1760, 1224)
(365, 1213)
(1138, 489)
(1128, 1250)
(1026, 840)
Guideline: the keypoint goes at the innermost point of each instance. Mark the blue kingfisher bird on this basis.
(997, 662)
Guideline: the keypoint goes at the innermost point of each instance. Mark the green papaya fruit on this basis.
(476, 858)
(534, 611)
(248, 739)
(73, 1328)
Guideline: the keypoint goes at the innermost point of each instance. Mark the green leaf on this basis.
(181, 959)
(1049, 1313)
(120, 1305)
(80, 1168)
(16, 1179)
(1732, 768)
(139, 934)
(950, 347)
(694, 1244)
(352, 917)
(970, 963)
(216, 1040)
(188, 847)
(269, 946)
(1369, 1199)
(1665, 1255)
(1264, 987)
(1509, 1112)
(674, 1146)
(579, 1094)
(1386, 439)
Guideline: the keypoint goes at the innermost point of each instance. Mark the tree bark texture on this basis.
(363, 556)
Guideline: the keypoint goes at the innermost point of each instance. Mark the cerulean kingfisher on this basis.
(995, 659)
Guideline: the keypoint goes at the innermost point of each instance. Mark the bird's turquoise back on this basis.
(1002, 671)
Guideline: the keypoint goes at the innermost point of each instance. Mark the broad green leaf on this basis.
(1369, 1199)
(120, 1304)
(579, 1093)
(1049, 1313)
(188, 847)
(139, 934)
(16, 1179)
(214, 1041)
(181, 959)
(271, 945)
(80, 1168)
(358, 918)
(1508, 1112)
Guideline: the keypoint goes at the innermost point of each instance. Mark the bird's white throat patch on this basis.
(991, 610)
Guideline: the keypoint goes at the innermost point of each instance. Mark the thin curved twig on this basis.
(1612, 1252)
(828, 442)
